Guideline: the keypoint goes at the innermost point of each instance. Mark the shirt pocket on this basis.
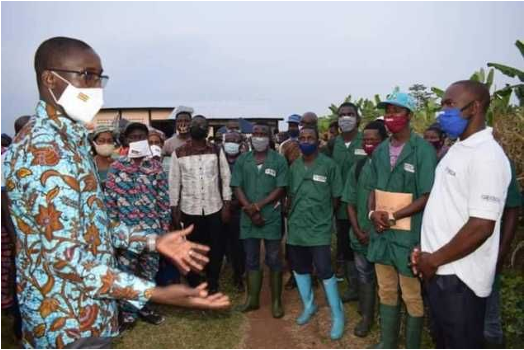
(409, 177)
(268, 178)
(320, 193)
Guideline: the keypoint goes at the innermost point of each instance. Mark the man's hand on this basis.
(182, 295)
(413, 260)
(362, 236)
(250, 209)
(226, 214)
(422, 264)
(258, 220)
(185, 254)
(381, 220)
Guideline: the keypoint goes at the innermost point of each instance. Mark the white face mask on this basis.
(105, 150)
(347, 123)
(156, 151)
(80, 104)
(260, 144)
(139, 149)
(231, 148)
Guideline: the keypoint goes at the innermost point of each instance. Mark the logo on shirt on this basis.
(450, 172)
(360, 152)
(489, 198)
(271, 172)
(409, 167)
(319, 178)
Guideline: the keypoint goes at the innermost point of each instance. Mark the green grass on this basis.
(186, 329)
(182, 329)
(191, 328)
(227, 329)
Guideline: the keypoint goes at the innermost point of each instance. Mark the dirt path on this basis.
(266, 332)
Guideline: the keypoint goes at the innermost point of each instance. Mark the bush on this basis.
(512, 308)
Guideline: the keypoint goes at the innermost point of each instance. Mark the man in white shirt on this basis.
(461, 224)
(199, 194)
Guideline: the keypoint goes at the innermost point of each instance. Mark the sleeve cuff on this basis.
(484, 214)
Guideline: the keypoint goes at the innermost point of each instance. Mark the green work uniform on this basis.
(345, 157)
(311, 191)
(356, 193)
(414, 172)
(257, 184)
(513, 198)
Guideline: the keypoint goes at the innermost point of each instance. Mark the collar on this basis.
(477, 138)
(73, 131)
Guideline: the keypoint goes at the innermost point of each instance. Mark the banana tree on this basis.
(513, 73)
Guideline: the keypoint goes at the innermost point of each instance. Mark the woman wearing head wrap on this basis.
(103, 141)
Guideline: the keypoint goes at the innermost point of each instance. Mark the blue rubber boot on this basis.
(307, 296)
(337, 311)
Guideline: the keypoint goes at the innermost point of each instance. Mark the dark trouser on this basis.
(91, 343)
(252, 249)
(167, 273)
(303, 259)
(493, 332)
(457, 313)
(365, 269)
(234, 244)
(344, 251)
(208, 230)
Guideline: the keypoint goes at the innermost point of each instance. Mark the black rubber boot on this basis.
(367, 297)
(254, 284)
(276, 294)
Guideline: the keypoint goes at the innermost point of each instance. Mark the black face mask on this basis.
(197, 132)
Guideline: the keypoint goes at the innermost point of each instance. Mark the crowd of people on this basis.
(108, 222)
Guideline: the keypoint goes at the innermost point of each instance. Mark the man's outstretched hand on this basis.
(186, 255)
(196, 298)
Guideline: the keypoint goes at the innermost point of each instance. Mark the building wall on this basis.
(159, 115)
(105, 117)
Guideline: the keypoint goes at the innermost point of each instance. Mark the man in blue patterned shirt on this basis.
(67, 275)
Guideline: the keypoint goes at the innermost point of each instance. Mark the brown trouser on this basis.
(388, 280)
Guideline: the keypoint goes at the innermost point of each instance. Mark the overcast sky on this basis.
(259, 59)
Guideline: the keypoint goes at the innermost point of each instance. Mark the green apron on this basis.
(514, 198)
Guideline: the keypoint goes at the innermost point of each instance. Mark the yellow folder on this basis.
(392, 202)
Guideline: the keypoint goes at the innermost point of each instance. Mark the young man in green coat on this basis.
(315, 187)
(404, 164)
(346, 150)
(259, 180)
(355, 200)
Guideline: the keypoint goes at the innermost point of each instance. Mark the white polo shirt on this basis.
(470, 181)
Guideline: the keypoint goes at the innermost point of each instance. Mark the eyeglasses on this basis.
(90, 78)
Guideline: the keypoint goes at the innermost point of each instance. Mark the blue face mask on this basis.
(307, 149)
(452, 122)
(293, 133)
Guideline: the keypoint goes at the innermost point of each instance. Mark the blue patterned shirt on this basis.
(67, 275)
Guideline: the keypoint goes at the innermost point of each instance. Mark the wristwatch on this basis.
(370, 213)
(151, 242)
(391, 220)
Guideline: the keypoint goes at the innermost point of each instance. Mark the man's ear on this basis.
(48, 79)
(472, 110)
(476, 108)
